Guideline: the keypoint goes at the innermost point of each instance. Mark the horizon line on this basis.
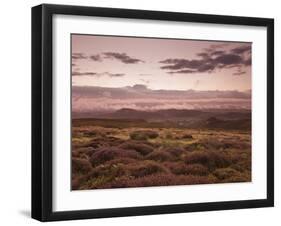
(147, 88)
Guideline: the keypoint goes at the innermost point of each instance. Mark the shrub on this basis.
(151, 134)
(180, 168)
(212, 143)
(75, 184)
(196, 146)
(94, 143)
(209, 159)
(107, 170)
(224, 173)
(209, 144)
(215, 144)
(175, 151)
(96, 131)
(80, 165)
(78, 152)
(105, 142)
(91, 133)
(136, 135)
(143, 149)
(232, 175)
(242, 165)
(108, 153)
(169, 136)
(197, 169)
(122, 160)
(241, 159)
(160, 155)
(75, 154)
(144, 168)
(102, 174)
(187, 136)
(143, 135)
(94, 183)
(77, 181)
(160, 179)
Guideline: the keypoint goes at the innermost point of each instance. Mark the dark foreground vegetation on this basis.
(123, 153)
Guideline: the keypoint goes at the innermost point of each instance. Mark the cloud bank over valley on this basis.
(139, 97)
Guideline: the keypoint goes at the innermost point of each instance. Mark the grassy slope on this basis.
(133, 153)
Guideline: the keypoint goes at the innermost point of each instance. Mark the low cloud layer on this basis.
(139, 97)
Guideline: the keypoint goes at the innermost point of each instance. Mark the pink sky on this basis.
(109, 61)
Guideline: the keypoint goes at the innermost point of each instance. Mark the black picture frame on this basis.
(42, 106)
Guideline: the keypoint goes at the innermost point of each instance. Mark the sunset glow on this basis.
(169, 64)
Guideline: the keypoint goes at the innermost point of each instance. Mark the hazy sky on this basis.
(168, 64)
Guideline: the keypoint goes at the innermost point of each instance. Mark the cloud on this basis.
(239, 73)
(114, 74)
(78, 56)
(209, 61)
(209, 53)
(187, 71)
(144, 74)
(242, 49)
(248, 61)
(123, 57)
(91, 99)
(139, 87)
(189, 66)
(96, 57)
(142, 91)
(203, 55)
(145, 81)
(228, 59)
(217, 52)
(218, 46)
(76, 73)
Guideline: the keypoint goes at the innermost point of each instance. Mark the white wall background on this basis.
(15, 114)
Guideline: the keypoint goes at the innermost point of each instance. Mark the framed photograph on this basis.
(145, 112)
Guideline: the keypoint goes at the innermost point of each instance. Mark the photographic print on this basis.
(159, 112)
(138, 112)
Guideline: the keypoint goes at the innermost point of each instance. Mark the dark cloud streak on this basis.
(123, 57)
(75, 73)
(114, 74)
(78, 56)
(239, 73)
(96, 57)
(241, 50)
(209, 61)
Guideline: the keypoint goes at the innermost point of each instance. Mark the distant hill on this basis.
(168, 114)
(183, 118)
(195, 123)
(215, 123)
